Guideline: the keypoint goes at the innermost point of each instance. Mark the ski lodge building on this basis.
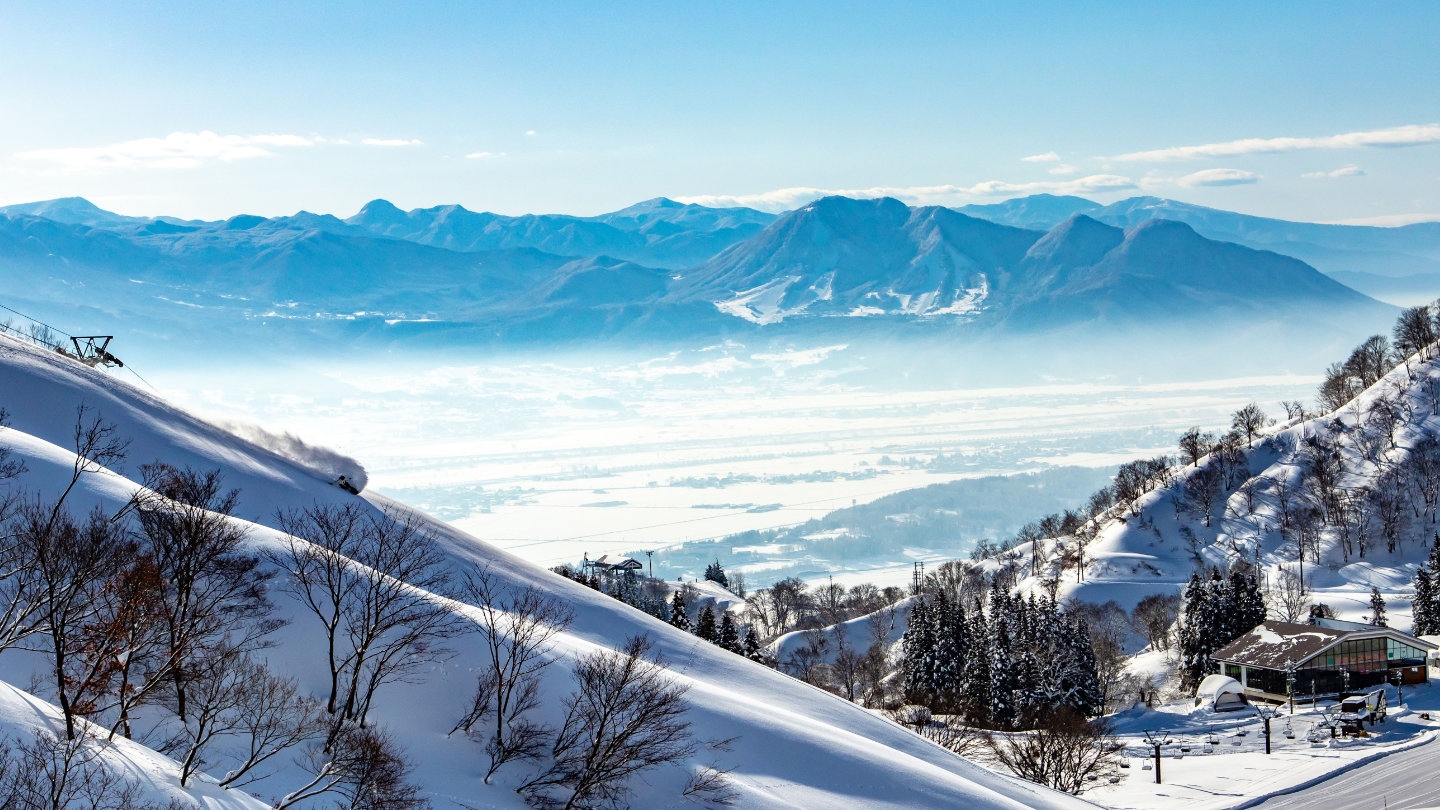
(1326, 657)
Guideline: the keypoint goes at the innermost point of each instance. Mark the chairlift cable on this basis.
(142, 379)
(36, 320)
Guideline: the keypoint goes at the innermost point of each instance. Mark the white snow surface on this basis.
(22, 715)
(795, 745)
(1146, 554)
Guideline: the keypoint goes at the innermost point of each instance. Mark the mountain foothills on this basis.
(201, 621)
(662, 269)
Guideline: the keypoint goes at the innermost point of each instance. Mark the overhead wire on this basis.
(58, 330)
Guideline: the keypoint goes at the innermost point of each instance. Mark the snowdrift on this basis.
(794, 745)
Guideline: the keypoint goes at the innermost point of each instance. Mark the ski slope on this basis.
(794, 745)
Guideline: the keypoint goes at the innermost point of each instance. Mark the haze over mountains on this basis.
(666, 269)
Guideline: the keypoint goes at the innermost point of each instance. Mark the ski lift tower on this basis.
(92, 350)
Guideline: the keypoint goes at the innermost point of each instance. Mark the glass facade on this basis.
(1367, 660)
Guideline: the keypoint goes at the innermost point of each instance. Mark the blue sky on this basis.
(1315, 111)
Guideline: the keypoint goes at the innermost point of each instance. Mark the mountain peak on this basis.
(378, 210)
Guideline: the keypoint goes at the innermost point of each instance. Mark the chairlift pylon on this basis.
(91, 350)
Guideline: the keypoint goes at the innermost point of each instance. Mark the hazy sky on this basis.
(1299, 110)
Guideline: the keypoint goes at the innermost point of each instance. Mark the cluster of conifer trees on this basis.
(1217, 611)
(1426, 605)
(1012, 665)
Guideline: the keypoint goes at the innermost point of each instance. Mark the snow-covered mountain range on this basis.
(663, 269)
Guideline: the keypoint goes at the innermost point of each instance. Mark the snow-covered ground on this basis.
(1235, 771)
(794, 745)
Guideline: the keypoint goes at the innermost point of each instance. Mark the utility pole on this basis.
(650, 558)
(1157, 739)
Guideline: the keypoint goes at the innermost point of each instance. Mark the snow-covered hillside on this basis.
(1377, 496)
(793, 745)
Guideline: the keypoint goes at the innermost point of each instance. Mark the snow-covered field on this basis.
(1235, 770)
(552, 458)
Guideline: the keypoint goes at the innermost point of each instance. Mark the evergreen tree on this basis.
(1377, 607)
(751, 647)
(918, 654)
(715, 573)
(975, 685)
(729, 633)
(1424, 604)
(1217, 611)
(1004, 675)
(678, 616)
(705, 627)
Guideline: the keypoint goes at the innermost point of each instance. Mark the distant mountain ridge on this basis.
(655, 269)
(1358, 255)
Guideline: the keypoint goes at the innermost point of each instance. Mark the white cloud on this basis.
(1343, 171)
(1410, 135)
(1064, 170)
(1387, 220)
(1047, 157)
(1219, 177)
(484, 155)
(529, 132)
(178, 150)
(785, 199)
(391, 142)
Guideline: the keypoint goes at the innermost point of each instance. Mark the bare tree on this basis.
(362, 768)
(1422, 473)
(1154, 616)
(1063, 754)
(625, 716)
(48, 772)
(1414, 332)
(1288, 598)
(517, 626)
(214, 594)
(371, 580)
(233, 696)
(1249, 421)
(1195, 445)
(1203, 489)
(71, 562)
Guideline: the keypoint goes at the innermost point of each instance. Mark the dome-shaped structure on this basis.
(1221, 693)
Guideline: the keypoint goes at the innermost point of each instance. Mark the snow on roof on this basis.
(1274, 645)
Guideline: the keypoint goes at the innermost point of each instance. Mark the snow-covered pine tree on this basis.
(975, 685)
(1377, 607)
(729, 633)
(1080, 686)
(1195, 622)
(678, 616)
(943, 659)
(1243, 608)
(1423, 608)
(750, 648)
(714, 573)
(1004, 674)
(917, 651)
(706, 628)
